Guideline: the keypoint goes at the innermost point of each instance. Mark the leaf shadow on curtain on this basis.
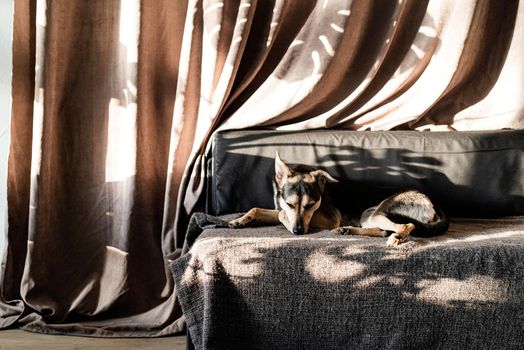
(366, 33)
(404, 56)
(250, 77)
(485, 52)
(365, 50)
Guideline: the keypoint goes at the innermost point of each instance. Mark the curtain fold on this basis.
(85, 254)
(114, 104)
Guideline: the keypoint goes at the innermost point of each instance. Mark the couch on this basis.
(263, 288)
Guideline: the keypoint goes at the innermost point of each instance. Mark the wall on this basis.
(6, 24)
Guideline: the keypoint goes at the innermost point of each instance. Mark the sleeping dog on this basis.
(301, 203)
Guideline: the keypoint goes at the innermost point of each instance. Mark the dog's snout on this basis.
(298, 230)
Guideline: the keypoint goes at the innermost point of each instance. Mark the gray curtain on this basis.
(114, 103)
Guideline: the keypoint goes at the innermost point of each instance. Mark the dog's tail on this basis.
(437, 227)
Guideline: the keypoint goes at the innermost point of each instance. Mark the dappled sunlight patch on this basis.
(243, 263)
(470, 291)
(476, 237)
(397, 280)
(368, 282)
(476, 231)
(236, 257)
(326, 267)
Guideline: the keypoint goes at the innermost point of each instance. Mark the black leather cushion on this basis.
(469, 174)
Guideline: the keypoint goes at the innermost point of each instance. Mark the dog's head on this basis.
(299, 193)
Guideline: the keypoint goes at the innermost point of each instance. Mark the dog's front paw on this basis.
(238, 223)
(235, 224)
(242, 221)
(342, 230)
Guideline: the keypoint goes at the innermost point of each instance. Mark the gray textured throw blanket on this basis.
(262, 288)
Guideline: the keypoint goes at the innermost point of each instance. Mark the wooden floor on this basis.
(18, 340)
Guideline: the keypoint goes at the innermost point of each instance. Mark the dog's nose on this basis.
(297, 230)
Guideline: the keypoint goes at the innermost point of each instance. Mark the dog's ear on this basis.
(281, 169)
(322, 176)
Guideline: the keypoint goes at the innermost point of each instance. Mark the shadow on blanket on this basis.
(262, 288)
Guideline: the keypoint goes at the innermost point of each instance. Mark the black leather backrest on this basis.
(469, 174)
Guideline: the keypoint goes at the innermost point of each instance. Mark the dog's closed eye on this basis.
(292, 206)
(309, 205)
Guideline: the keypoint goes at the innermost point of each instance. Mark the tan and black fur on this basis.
(301, 203)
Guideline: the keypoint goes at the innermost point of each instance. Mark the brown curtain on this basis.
(115, 101)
